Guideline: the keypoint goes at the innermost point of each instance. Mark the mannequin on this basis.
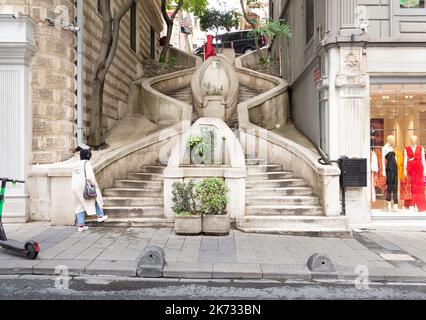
(414, 168)
(390, 171)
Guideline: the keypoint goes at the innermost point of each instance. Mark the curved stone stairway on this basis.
(279, 202)
(137, 200)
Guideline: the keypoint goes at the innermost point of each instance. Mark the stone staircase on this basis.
(278, 202)
(245, 94)
(137, 201)
(183, 94)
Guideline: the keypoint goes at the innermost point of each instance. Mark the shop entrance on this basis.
(398, 110)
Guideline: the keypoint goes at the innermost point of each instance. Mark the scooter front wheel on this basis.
(32, 253)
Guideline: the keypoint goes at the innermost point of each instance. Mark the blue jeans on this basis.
(81, 217)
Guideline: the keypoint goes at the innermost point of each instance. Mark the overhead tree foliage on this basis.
(107, 51)
(246, 6)
(196, 7)
(272, 30)
(215, 20)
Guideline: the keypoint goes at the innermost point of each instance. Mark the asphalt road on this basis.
(48, 288)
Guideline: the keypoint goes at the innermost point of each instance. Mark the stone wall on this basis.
(52, 81)
(53, 70)
(127, 65)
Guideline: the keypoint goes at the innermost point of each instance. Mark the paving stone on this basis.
(237, 271)
(112, 267)
(14, 267)
(48, 267)
(415, 275)
(188, 270)
(285, 271)
(119, 254)
(90, 253)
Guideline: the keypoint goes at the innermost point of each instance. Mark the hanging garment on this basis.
(404, 182)
(391, 177)
(379, 179)
(374, 170)
(415, 171)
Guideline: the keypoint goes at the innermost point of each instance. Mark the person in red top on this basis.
(209, 48)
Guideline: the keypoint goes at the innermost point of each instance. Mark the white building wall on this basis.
(16, 47)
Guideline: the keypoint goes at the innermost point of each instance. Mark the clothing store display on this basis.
(415, 171)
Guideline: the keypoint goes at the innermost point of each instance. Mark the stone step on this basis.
(255, 200)
(133, 202)
(149, 222)
(153, 169)
(270, 175)
(135, 184)
(284, 210)
(289, 191)
(145, 176)
(134, 212)
(275, 183)
(132, 192)
(264, 168)
(302, 226)
(255, 161)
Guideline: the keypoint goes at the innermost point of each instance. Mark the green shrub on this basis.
(211, 195)
(173, 62)
(183, 200)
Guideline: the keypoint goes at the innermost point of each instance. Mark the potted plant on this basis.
(188, 220)
(211, 195)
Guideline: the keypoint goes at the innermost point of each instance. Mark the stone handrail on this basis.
(255, 123)
(268, 110)
(160, 108)
(185, 58)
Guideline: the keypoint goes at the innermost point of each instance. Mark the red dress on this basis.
(415, 171)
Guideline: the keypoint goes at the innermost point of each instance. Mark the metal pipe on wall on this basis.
(80, 74)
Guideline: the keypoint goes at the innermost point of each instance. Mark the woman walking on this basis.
(92, 206)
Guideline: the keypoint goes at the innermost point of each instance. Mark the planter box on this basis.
(190, 225)
(216, 225)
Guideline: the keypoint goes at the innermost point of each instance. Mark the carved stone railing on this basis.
(160, 108)
(268, 111)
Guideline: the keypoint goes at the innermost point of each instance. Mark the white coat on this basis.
(78, 183)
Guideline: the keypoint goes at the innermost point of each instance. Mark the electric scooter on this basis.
(29, 249)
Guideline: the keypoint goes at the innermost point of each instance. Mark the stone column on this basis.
(17, 46)
(349, 117)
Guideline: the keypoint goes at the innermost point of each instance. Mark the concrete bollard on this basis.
(151, 263)
(322, 267)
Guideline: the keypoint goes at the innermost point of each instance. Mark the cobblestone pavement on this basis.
(380, 256)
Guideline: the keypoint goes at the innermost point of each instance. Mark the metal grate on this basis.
(354, 173)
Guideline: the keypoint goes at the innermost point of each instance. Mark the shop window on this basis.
(412, 4)
(310, 20)
(398, 110)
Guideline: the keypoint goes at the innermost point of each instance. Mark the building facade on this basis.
(357, 73)
(38, 86)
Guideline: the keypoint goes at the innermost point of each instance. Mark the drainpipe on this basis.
(80, 74)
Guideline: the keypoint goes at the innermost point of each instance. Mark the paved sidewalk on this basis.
(386, 256)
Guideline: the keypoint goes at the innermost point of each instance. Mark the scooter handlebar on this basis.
(13, 181)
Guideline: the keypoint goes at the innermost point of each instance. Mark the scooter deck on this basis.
(13, 245)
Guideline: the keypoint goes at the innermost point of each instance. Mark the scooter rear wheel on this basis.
(31, 251)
